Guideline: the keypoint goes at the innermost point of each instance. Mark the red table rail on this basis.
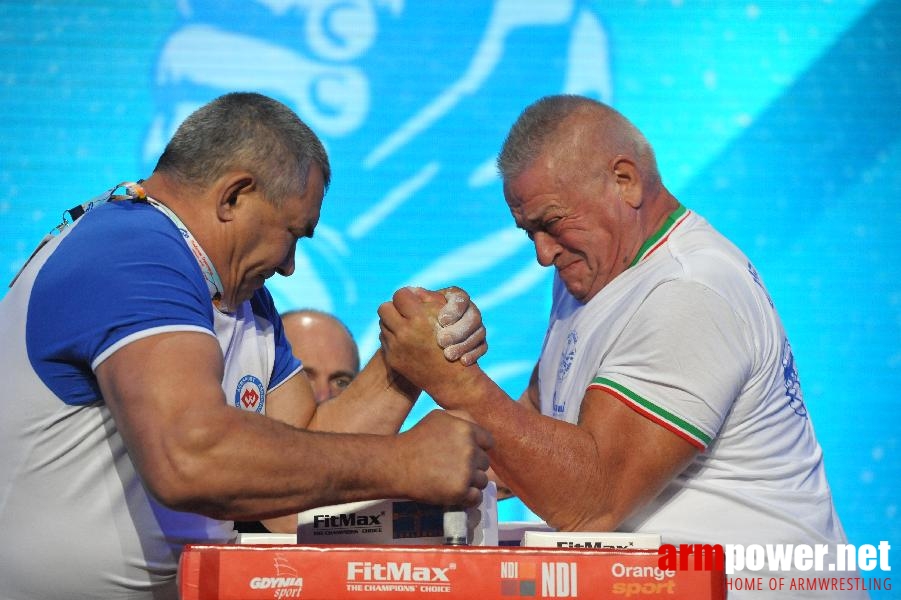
(250, 572)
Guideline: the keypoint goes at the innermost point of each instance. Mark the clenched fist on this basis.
(460, 331)
(448, 460)
(408, 334)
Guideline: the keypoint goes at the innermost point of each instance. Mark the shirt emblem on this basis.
(566, 362)
(249, 394)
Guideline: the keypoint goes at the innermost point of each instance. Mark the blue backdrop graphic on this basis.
(778, 121)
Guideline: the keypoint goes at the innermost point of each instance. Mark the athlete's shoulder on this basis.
(125, 222)
(698, 238)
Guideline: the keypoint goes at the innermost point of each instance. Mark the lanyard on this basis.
(213, 282)
(135, 192)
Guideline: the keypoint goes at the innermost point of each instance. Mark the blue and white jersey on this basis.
(75, 518)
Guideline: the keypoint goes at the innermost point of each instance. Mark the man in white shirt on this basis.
(666, 397)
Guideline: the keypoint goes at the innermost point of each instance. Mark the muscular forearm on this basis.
(588, 476)
(195, 453)
(377, 401)
(551, 465)
(237, 465)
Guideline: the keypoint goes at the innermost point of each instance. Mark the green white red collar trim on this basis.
(676, 218)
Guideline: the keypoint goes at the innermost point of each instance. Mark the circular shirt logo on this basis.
(250, 395)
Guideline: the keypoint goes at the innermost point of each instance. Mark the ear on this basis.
(231, 191)
(628, 180)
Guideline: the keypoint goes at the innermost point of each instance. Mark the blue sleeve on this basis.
(123, 268)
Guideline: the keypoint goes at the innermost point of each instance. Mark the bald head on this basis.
(326, 348)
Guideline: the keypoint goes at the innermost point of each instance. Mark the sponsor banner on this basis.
(250, 572)
(395, 522)
(591, 539)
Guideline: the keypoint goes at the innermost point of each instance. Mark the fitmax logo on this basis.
(392, 571)
(594, 545)
(346, 520)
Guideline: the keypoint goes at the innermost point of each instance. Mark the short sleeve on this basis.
(118, 274)
(681, 361)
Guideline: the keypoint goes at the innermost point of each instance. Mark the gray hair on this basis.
(539, 123)
(245, 130)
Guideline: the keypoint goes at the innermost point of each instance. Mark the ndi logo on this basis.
(518, 578)
(558, 579)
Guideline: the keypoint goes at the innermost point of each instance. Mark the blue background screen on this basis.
(777, 121)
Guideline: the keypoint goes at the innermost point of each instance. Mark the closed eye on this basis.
(550, 223)
(547, 226)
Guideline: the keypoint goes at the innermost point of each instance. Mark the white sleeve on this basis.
(681, 361)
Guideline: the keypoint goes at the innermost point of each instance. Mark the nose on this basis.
(287, 267)
(321, 392)
(546, 248)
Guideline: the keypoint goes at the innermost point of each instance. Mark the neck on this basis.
(185, 202)
(653, 212)
(658, 207)
(162, 189)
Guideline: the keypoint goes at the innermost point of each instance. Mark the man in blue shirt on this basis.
(132, 336)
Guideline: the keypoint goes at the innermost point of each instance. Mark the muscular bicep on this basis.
(159, 390)
(636, 456)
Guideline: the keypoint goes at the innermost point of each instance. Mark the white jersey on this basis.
(75, 518)
(688, 337)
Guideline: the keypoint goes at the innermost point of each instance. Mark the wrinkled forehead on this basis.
(552, 169)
